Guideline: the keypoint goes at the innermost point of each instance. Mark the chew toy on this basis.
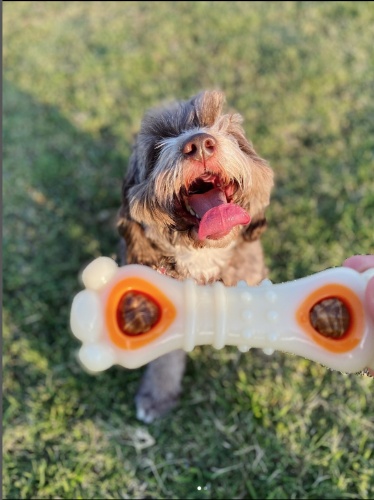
(131, 315)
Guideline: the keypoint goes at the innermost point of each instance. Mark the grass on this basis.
(78, 77)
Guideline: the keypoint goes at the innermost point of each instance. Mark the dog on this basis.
(193, 206)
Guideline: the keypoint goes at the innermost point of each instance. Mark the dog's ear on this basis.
(255, 229)
(208, 106)
(261, 173)
(235, 128)
(262, 183)
(137, 166)
(138, 249)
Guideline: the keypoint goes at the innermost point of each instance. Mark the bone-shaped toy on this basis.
(321, 317)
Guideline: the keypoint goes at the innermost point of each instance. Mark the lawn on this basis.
(78, 77)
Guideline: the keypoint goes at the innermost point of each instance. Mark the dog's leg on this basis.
(161, 386)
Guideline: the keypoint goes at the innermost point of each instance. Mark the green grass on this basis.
(78, 77)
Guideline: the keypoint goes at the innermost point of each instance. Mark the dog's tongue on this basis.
(217, 216)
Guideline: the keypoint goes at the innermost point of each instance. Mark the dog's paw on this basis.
(161, 386)
(150, 407)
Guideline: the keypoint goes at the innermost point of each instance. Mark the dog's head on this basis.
(194, 177)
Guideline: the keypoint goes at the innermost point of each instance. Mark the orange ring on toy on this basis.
(356, 328)
(131, 342)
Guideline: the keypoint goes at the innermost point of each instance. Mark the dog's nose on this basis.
(199, 147)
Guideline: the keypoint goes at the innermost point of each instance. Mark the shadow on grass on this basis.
(61, 194)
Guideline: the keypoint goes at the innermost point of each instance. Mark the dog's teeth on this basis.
(194, 213)
(191, 210)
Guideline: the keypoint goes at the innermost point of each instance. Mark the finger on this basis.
(360, 262)
(369, 297)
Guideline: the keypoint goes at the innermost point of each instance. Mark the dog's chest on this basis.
(202, 264)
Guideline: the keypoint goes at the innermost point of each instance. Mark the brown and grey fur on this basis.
(158, 233)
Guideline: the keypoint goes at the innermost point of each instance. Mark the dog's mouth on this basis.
(209, 200)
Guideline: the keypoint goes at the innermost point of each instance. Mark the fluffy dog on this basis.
(193, 207)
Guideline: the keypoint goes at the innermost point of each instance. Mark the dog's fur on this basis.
(160, 232)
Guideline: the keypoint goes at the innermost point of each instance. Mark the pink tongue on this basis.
(217, 216)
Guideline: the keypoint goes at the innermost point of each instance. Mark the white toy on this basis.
(286, 317)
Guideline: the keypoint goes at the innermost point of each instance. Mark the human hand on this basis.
(361, 263)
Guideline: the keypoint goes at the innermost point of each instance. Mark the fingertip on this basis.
(359, 263)
(369, 297)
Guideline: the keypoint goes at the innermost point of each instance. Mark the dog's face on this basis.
(193, 176)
